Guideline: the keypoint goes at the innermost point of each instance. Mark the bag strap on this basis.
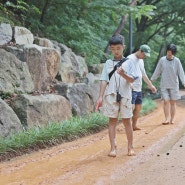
(117, 65)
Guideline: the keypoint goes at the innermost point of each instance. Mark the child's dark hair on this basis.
(116, 39)
(172, 48)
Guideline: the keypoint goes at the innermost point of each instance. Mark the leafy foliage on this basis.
(147, 106)
(86, 25)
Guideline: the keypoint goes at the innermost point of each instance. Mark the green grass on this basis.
(148, 106)
(57, 133)
(53, 133)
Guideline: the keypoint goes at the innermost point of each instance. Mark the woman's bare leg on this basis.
(166, 108)
(172, 110)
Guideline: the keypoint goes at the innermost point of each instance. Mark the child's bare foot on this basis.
(112, 153)
(131, 152)
(136, 128)
(165, 123)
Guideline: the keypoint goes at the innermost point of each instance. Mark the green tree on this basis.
(86, 25)
(166, 25)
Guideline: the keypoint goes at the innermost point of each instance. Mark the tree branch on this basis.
(159, 29)
(121, 25)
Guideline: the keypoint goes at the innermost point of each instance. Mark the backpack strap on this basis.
(117, 65)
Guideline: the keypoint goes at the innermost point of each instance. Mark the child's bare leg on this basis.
(112, 136)
(129, 132)
(136, 112)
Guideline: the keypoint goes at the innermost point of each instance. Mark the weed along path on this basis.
(85, 161)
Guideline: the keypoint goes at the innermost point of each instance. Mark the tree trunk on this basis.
(44, 11)
(121, 25)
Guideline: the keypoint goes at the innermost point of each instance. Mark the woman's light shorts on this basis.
(113, 109)
(170, 94)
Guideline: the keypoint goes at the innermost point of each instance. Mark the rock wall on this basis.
(41, 81)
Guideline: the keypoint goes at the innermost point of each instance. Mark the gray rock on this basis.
(81, 99)
(14, 74)
(17, 51)
(9, 122)
(22, 35)
(5, 33)
(44, 42)
(43, 64)
(42, 109)
(73, 68)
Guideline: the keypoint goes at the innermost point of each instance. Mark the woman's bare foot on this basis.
(131, 152)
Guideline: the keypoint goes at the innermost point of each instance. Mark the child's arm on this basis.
(127, 77)
(101, 93)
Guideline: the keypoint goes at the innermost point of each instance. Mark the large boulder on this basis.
(94, 86)
(40, 110)
(44, 42)
(22, 35)
(43, 65)
(73, 68)
(82, 96)
(81, 99)
(16, 50)
(79, 95)
(14, 74)
(96, 68)
(9, 122)
(5, 33)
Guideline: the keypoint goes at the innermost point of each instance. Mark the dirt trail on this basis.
(85, 161)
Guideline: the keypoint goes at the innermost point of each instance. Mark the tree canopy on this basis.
(86, 25)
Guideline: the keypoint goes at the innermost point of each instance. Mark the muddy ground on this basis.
(159, 160)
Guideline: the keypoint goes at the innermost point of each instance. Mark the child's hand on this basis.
(153, 89)
(120, 71)
(98, 105)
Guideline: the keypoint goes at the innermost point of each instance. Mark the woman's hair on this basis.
(172, 48)
(116, 39)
